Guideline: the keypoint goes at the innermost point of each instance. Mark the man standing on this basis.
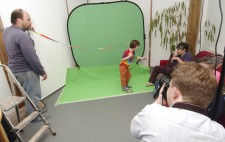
(22, 58)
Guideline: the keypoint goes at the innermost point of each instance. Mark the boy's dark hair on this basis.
(134, 43)
(17, 13)
(182, 46)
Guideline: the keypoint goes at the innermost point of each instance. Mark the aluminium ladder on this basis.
(13, 102)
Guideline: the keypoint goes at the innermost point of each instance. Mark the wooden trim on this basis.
(67, 8)
(193, 24)
(150, 35)
(3, 136)
(1, 24)
(3, 54)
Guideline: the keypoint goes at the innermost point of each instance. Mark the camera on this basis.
(159, 83)
(166, 86)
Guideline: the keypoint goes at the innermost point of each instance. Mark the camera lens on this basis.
(166, 86)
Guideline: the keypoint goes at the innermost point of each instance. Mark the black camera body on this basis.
(159, 83)
(166, 86)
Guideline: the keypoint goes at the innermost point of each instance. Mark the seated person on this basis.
(190, 91)
(182, 56)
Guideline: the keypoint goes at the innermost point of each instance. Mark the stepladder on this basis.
(12, 103)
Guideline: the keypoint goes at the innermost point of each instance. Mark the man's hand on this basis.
(44, 77)
(160, 99)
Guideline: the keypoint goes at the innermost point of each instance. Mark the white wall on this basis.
(157, 52)
(212, 13)
(74, 3)
(4, 87)
(49, 18)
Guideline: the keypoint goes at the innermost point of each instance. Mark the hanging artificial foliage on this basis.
(171, 24)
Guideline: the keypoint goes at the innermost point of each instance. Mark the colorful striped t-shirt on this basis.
(130, 60)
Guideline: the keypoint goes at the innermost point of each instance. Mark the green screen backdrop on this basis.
(100, 33)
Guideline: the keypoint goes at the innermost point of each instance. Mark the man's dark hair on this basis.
(134, 43)
(182, 46)
(17, 13)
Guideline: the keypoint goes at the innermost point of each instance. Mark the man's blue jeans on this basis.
(31, 84)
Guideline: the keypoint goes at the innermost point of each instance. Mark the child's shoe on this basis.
(149, 84)
(128, 90)
(128, 86)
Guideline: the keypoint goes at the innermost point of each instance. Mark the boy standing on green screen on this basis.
(127, 59)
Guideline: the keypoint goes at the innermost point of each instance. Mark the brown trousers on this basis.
(124, 75)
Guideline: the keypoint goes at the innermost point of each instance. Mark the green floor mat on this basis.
(88, 83)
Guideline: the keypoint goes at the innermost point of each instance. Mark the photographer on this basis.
(190, 91)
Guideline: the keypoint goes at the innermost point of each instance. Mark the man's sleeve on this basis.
(135, 126)
(29, 53)
(138, 123)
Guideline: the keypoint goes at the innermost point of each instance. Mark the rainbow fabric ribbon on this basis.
(72, 46)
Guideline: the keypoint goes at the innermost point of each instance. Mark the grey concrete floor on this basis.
(104, 120)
